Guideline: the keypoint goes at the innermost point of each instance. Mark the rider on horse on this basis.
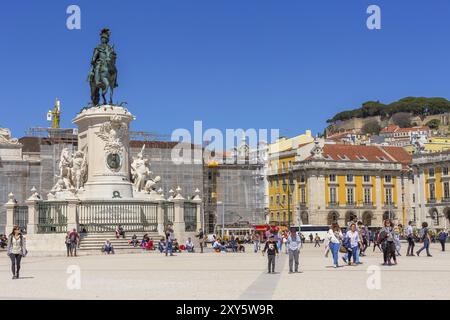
(103, 73)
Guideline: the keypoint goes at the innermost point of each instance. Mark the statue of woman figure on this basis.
(79, 165)
(140, 171)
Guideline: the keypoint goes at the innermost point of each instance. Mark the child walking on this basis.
(272, 251)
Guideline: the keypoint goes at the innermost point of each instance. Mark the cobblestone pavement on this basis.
(226, 276)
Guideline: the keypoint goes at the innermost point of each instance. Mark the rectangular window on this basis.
(302, 178)
(388, 195)
(432, 191)
(302, 195)
(367, 196)
(366, 178)
(271, 200)
(278, 216)
(278, 199)
(414, 198)
(284, 199)
(349, 178)
(278, 183)
(333, 195)
(445, 171)
(387, 178)
(332, 177)
(350, 196)
(431, 172)
(446, 190)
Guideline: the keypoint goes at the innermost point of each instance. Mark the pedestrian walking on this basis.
(442, 237)
(410, 238)
(293, 243)
(311, 237)
(353, 243)
(16, 249)
(201, 239)
(67, 242)
(255, 240)
(272, 251)
(317, 241)
(387, 238)
(425, 238)
(335, 237)
(169, 239)
(74, 238)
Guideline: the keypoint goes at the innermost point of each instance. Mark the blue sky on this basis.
(286, 64)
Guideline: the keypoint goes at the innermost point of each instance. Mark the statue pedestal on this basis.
(103, 135)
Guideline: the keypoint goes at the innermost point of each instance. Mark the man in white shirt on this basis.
(410, 237)
(294, 243)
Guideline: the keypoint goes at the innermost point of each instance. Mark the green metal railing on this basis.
(190, 216)
(20, 218)
(105, 217)
(52, 217)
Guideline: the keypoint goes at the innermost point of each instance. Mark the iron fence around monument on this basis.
(20, 218)
(190, 216)
(100, 216)
(169, 212)
(52, 217)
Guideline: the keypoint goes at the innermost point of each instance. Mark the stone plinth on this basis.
(103, 135)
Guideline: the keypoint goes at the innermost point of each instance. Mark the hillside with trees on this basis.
(414, 106)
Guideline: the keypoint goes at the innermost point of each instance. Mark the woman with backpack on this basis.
(16, 249)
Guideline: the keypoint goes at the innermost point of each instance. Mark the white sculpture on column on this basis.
(5, 137)
(140, 170)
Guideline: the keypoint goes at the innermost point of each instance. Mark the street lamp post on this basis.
(223, 216)
(289, 186)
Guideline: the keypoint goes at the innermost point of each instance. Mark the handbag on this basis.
(342, 249)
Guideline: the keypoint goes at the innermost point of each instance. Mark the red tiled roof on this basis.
(394, 128)
(399, 154)
(343, 152)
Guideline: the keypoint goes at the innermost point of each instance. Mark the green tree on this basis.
(433, 124)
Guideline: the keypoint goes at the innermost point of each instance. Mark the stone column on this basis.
(198, 201)
(10, 205)
(378, 214)
(72, 214)
(33, 215)
(160, 216)
(178, 225)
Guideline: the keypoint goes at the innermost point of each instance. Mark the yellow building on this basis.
(281, 159)
(340, 182)
(432, 188)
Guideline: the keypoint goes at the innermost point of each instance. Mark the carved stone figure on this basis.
(5, 137)
(113, 132)
(72, 171)
(103, 72)
(150, 184)
(79, 169)
(65, 172)
(140, 171)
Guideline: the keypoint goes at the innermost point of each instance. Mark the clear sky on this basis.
(287, 64)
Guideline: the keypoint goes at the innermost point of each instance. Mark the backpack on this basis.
(346, 242)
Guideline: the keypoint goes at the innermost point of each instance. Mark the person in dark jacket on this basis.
(16, 249)
(442, 237)
(387, 238)
(201, 239)
(425, 238)
(272, 251)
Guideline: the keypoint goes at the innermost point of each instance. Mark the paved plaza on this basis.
(225, 276)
